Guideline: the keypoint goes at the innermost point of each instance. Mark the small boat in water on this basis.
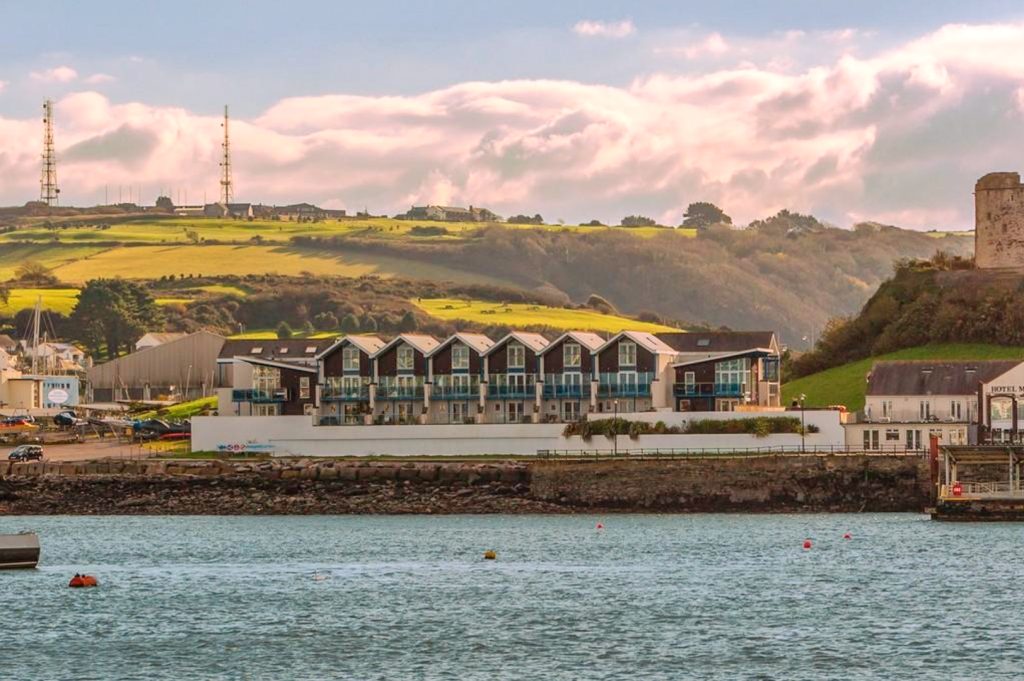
(19, 550)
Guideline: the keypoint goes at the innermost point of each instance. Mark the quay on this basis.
(980, 483)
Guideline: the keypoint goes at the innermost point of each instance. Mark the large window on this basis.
(733, 373)
(266, 379)
(350, 359)
(516, 356)
(925, 410)
(689, 380)
(406, 358)
(460, 357)
(571, 356)
(627, 354)
(304, 387)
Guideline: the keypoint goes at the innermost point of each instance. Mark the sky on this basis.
(577, 110)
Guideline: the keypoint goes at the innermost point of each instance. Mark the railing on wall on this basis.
(777, 450)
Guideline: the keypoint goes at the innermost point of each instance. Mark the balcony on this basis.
(558, 388)
(393, 391)
(708, 389)
(446, 389)
(505, 390)
(628, 385)
(339, 392)
(260, 396)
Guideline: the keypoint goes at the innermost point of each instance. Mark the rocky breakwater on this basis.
(270, 487)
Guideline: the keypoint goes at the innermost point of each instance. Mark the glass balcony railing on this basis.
(259, 396)
(395, 391)
(557, 387)
(625, 385)
(444, 388)
(340, 392)
(500, 388)
(709, 389)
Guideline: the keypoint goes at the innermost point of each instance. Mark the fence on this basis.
(786, 450)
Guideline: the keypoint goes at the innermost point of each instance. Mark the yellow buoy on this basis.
(490, 555)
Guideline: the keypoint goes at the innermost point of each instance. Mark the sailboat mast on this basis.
(35, 335)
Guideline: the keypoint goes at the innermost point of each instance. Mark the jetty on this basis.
(980, 483)
(19, 550)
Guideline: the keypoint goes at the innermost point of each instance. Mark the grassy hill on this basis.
(846, 384)
(527, 315)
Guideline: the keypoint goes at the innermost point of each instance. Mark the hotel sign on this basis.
(1006, 390)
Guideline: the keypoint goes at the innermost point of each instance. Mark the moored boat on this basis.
(19, 550)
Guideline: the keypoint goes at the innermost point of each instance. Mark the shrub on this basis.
(759, 426)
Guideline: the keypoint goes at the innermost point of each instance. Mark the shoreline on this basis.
(836, 484)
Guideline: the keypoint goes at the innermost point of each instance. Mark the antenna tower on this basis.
(226, 191)
(48, 191)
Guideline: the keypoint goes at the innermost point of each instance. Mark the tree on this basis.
(5, 293)
(115, 313)
(34, 272)
(164, 203)
(326, 321)
(307, 329)
(283, 330)
(638, 221)
(703, 214)
(594, 223)
(408, 322)
(349, 323)
(526, 220)
(368, 324)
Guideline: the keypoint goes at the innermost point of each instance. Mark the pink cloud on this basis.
(888, 137)
(604, 29)
(99, 78)
(58, 74)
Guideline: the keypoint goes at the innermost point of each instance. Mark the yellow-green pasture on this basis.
(60, 300)
(526, 314)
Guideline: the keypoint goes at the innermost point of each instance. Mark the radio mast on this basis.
(226, 191)
(49, 193)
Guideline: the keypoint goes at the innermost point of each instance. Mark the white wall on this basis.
(296, 435)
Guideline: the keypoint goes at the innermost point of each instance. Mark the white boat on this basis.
(19, 550)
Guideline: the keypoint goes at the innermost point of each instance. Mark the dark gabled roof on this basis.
(291, 349)
(924, 377)
(717, 341)
(7, 342)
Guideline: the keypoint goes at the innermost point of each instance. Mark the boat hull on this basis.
(19, 551)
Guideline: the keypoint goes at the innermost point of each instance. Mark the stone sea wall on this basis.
(764, 484)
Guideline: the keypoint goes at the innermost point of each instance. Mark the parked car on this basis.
(19, 420)
(26, 453)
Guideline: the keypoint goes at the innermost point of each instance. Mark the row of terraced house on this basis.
(521, 378)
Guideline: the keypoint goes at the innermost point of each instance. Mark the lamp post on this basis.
(803, 424)
(615, 430)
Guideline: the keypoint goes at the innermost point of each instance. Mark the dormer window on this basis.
(406, 358)
(350, 359)
(627, 354)
(516, 356)
(571, 356)
(460, 357)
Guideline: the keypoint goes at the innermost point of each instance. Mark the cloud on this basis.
(3, 85)
(58, 74)
(604, 29)
(99, 78)
(895, 135)
(713, 45)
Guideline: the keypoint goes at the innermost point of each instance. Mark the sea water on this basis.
(646, 597)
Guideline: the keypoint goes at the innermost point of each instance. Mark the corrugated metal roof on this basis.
(477, 341)
(645, 340)
(534, 341)
(368, 344)
(425, 344)
(925, 377)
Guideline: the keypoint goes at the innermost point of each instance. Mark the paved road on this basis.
(94, 449)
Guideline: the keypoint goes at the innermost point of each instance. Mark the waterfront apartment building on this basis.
(522, 378)
(959, 402)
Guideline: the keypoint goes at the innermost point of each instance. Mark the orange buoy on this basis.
(847, 536)
(82, 581)
(490, 555)
(807, 543)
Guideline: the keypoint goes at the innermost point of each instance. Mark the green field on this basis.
(525, 314)
(846, 384)
(153, 262)
(176, 230)
(57, 299)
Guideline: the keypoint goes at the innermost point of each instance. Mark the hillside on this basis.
(940, 300)
(525, 315)
(846, 384)
(789, 272)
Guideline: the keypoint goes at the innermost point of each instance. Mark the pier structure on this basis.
(980, 482)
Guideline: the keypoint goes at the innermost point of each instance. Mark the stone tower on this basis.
(999, 221)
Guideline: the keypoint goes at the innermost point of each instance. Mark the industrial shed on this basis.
(181, 369)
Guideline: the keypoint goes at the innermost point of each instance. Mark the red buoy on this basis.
(600, 526)
(847, 536)
(807, 543)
